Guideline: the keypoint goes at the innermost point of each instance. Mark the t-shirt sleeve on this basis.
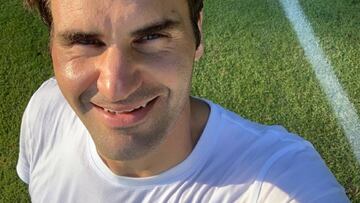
(23, 164)
(298, 174)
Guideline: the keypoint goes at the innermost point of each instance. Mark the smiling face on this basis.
(125, 68)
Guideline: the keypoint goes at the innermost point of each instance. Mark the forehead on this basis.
(114, 13)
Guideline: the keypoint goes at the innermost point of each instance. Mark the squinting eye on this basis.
(152, 37)
(149, 37)
(93, 42)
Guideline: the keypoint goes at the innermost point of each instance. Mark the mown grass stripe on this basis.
(343, 108)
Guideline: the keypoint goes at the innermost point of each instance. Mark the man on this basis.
(117, 124)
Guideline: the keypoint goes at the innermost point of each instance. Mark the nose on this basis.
(118, 77)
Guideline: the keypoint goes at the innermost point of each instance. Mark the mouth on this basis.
(124, 116)
(126, 110)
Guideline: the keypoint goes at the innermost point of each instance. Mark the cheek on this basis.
(171, 69)
(74, 76)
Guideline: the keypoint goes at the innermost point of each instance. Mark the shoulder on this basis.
(46, 103)
(248, 144)
(235, 129)
(46, 95)
(45, 114)
(40, 126)
(275, 162)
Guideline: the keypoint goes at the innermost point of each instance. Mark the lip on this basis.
(125, 119)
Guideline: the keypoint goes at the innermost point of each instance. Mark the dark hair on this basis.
(195, 7)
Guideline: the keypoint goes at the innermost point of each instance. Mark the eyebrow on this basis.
(75, 35)
(165, 24)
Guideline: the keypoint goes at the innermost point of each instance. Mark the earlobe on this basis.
(200, 49)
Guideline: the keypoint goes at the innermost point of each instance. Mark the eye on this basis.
(152, 37)
(149, 37)
(87, 42)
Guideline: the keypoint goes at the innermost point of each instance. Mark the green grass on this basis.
(252, 65)
(255, 66)
(24, 64)
(337, 25)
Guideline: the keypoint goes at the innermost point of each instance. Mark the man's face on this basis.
(125, 68)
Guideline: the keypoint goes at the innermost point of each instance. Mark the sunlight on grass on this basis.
(252, 65)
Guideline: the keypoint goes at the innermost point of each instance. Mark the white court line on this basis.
(344, 110)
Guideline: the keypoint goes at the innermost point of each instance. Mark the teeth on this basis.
(108, 110)
(126, 111)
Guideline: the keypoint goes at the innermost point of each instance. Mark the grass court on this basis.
(253, 65)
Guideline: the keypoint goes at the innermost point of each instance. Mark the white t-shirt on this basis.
(235, 160)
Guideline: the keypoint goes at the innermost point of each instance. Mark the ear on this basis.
(200, 49)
